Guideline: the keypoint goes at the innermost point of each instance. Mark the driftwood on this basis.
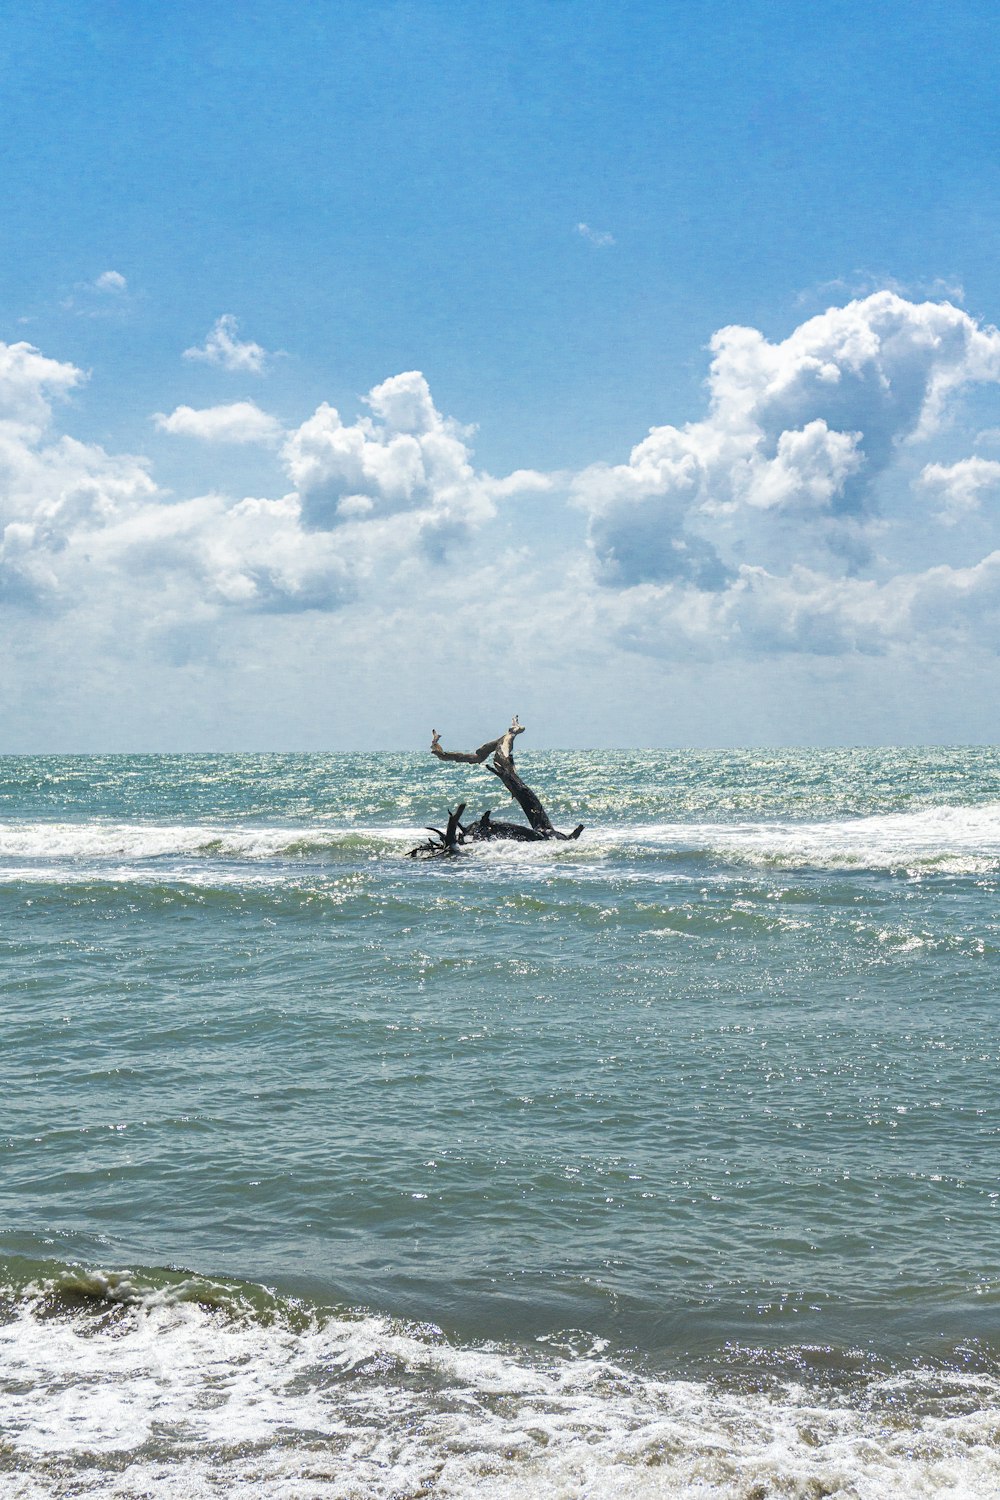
(447, 842)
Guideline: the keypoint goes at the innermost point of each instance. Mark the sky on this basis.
(368, 367)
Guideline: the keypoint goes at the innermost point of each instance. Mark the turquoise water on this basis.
(660, 1163)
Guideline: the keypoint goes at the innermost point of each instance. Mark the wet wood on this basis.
(486, 828)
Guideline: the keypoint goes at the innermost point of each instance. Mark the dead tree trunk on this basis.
(486, 827)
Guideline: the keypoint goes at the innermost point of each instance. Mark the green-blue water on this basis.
(661, 1163)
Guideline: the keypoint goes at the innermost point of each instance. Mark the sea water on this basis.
(664, 1163)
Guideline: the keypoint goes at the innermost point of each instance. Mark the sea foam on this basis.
(177, 1392)
(958, 839)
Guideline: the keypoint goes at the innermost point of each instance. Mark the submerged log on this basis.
(486, 827)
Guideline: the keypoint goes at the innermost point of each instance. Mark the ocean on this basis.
(664, 1163)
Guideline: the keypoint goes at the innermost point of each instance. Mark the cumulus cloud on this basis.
(749, 533)
(110, 281)
(407, 460)
(958, 488)
(74, 517)
(52, 490)
(237, 422)
(369, 496)
(28, 384)
(796, 436)
(223, 347)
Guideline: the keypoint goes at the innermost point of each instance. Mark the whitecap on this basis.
(170, 1396)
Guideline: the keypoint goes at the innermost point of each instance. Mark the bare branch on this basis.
(476, 757)
(447, 842)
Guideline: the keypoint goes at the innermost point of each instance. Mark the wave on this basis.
(941, 838)
(98, 839)
(961, 840)
(947, 839)
(129, 1384)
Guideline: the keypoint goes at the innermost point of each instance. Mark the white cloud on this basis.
(105, 296)
(53, 492)
(411, 461)
(370, 497)
(28, 383)
(601, 239)
(223, 347)
(759, 614)
(750, 534)
(237, 422)
(251, 554)
(110, 281)
(958, 487)
(796, 436)
(525, 482)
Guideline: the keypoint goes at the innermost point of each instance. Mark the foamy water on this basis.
(164, 1393)
(960, 838)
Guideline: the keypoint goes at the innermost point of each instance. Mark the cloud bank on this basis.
(758, 531)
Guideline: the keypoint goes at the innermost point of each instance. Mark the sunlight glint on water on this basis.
(661, 1163)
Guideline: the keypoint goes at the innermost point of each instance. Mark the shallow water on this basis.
(660, 1163)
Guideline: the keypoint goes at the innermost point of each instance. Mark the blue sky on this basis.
(550, 211)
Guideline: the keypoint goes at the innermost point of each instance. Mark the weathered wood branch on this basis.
(486, 827)
(476, 757)
(447, 842)
(502, 766)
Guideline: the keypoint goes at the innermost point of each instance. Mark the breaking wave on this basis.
(128, 1384)
(141, 841)
(944, 839)
(962, 840)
